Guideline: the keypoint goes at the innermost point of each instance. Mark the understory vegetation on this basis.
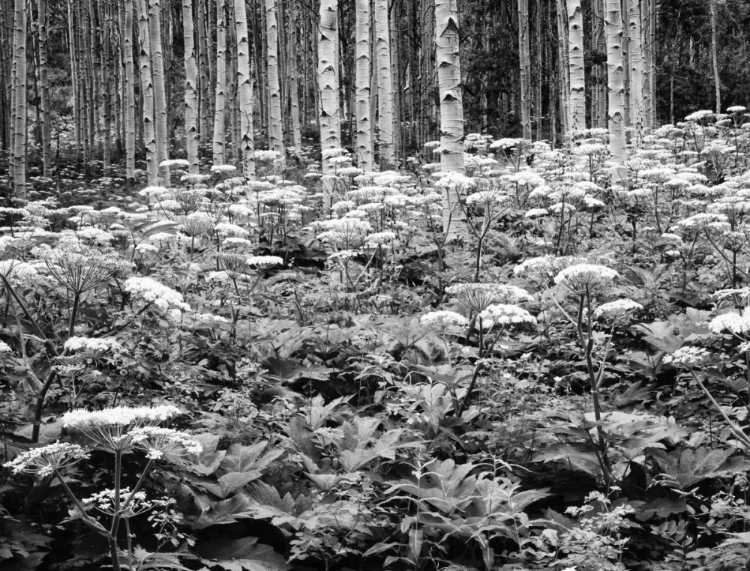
(222, 374)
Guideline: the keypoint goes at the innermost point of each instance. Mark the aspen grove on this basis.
(294, 285)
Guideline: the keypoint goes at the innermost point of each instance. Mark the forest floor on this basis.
(222, 374)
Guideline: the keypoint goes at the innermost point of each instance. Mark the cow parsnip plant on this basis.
(556, 380)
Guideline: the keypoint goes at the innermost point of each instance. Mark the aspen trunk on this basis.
(715, 57)
(328, 81)
(525, 61)
(636, 68)
(293, 46)
(275, 124)
(19, 111)
(160, 97)
(451, 104)
(244, 90)
(44, 89)
(362, 86)
(191, 92)
(577, 99)
(147, 93)
(563, 66)
(385, 83)
(221, 81)
(129, 104)
(616, 86)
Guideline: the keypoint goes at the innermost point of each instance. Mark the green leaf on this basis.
(688, 466)
(243, 554)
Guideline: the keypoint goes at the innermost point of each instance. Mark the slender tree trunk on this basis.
(636, 69)
(293, 91)
(328, 81)
(20, 110)
(221, 82)
(616, 87)
(385, 84)
(563, 51)
(147, 92)
(715, 56)
(577, 100)
(362, 82)
(129, 79)
(525, 75)
(244, 90)
(160, 97)
(451, 104)
(44, 89)
(275, 123)
(191, 84)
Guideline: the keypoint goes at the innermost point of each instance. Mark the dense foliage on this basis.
(222, 374)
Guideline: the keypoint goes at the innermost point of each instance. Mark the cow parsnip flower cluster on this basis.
(158, 442)
(80, 268)
(46, 460)
(617, 309)
(151, 291)
(443, 320)
(92, 344)
(502, 314)
(104, 501)
(479, 296)
(585, 278)
(687, 357)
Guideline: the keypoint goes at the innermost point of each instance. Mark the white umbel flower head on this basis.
(264, 262)
(585, 278)
(444, 320)
(479, 296)
(731, 322)
(4, 347)
(687, 357)
(503, 314)
(617, 310)
(151, 291)
(111, 427)
(158, 442)
(47, 460)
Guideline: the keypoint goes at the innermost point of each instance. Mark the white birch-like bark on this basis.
(129, 103)
(275, 124)
(451, 104)
(636, 68)
(219, 156)
(328, 81)
(19, 97)
(715, 57)
(293, 47)
(616, 86)
(147, 92)
(525, 61)
(244, 90)
(385, 84)
(191, 83)
(362, 86)
(160, 96)
(44, 88)
(577, 98)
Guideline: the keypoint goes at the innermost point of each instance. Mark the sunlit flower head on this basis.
(585, 278)
(47, 460)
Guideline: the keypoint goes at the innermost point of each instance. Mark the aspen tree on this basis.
(636, 68)
(275, 125)
(244, 90)
(191, 84)
(221, 81)
(147, 92)
(577, 98)
(129, 104)
(44, 88)
(715, 57)
(362, 85)
(385, 84)
(563, 70)
(328, 81)
(451, 104)
(525, 61)
(616, 86)
(293, 46)
(160, 98)
(19, 126)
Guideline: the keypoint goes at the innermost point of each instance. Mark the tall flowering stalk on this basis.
(584, 281)
(118, 430)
